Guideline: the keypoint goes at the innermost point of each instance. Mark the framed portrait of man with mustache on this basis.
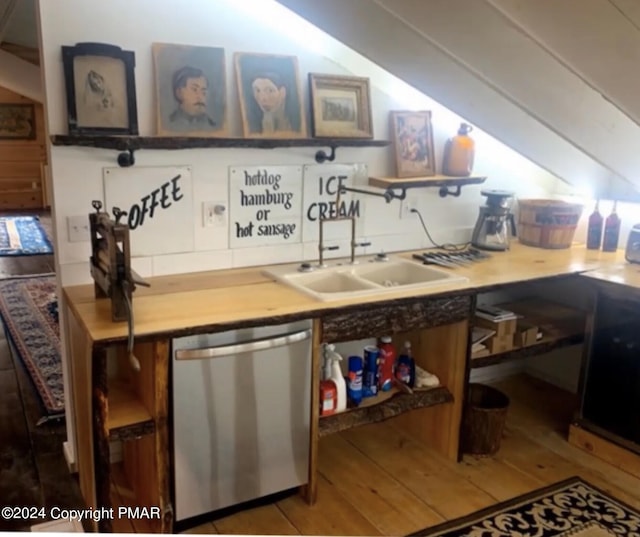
(190, 90)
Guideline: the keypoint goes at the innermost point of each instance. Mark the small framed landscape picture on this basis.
(412, 137)
(271, 101)
(17, 121)
(101, 89)
(191, 94)
(340, 106)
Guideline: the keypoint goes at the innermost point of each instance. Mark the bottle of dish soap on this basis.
(406, 368)
(459, 153)
(337, 377)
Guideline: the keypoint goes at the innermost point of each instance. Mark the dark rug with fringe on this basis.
(23, 235)
(569, 508)
(29, 311)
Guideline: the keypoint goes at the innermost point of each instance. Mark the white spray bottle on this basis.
(336, 376)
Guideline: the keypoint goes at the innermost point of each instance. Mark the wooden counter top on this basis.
(622, 273)
(178, 303)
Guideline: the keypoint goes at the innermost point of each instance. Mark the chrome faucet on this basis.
(354, 244)
(321, 246)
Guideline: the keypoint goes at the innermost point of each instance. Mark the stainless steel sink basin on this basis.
(370, 278)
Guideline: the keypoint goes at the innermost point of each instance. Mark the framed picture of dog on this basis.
(100, 87)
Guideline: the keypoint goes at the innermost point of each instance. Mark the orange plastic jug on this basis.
(459, 152)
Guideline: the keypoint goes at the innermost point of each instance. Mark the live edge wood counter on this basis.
(436, 320)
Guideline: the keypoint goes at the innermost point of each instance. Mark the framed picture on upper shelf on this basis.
(412, 139)
(340, 106)
(191, 94)
(101, 89)
(271, 101)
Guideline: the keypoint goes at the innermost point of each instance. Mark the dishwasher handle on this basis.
(239, 348)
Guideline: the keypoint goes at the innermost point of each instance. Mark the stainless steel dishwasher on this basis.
(241, 415)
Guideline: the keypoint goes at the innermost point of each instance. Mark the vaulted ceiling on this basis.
(558, 81)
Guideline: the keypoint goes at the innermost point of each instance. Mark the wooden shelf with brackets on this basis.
(128, 144)
(443, 182)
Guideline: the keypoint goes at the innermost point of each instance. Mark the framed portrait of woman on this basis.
(270, 95)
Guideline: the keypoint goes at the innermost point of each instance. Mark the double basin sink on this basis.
(365, 279)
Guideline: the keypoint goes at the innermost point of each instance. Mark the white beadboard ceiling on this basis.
(556, 81)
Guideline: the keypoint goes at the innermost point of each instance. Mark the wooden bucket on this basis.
(484, 419)
(547, 223)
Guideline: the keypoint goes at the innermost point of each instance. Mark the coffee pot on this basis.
(495, 222)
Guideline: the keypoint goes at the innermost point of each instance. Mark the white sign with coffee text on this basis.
(265, 205)
(158, 203)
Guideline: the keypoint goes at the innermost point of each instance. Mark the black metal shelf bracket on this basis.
(390, 194)
(444, 191)
(321, 155)
(126, 159)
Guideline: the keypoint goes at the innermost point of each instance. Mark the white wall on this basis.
(20, 76)
(77, 172)
(258, 26)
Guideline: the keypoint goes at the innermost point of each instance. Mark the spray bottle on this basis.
(332, 356)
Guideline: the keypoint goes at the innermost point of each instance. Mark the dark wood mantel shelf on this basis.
(123, 143)
(134, 143)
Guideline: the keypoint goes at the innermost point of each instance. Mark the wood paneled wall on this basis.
(23, 163)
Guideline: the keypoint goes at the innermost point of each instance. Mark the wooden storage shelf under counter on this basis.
(560, 325)
(127, 417)
(383, 406)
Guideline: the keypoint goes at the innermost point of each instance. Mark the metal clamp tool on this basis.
(111, 268)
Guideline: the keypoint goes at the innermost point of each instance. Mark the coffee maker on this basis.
(495, 222)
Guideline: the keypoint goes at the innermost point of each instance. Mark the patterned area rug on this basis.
(29, 310)
(23, 235)
(571, 508)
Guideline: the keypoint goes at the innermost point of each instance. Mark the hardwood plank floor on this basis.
(33, 472)
(377, 480)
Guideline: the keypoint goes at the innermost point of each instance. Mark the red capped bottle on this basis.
(387, 363)
(594, 229)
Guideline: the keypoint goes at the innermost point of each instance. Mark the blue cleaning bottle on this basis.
(406, 366)
(354, 384)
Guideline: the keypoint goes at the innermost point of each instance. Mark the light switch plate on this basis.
(214, 213)
(78, 228)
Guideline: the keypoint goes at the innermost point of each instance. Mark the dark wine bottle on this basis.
(594, 230)
(611, 231)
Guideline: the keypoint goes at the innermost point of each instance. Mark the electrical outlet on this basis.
(214, 213)
(78, 228)
(406, 206)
